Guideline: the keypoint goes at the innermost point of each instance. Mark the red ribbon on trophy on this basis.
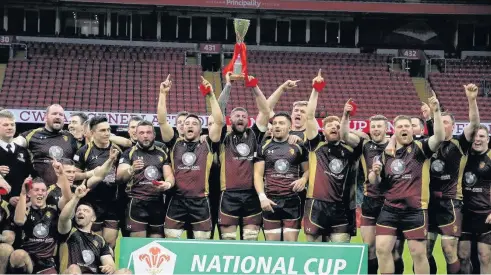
(239, 49)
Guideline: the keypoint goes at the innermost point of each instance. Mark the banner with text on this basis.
(162, 256)
(122, 119)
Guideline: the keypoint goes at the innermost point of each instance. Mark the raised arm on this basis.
(346, 135)
(275, 96)
(312, 128)
(225, 94)
(102, 171)
(263, 107)
(66, 193)
(21, 208)
(215, 130)
(439, 133)
(471, 92)
(66, 215)
(120, 141)
(374, 175)
(165, 129)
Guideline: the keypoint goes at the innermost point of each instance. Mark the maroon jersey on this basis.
(447, 168)
(44, 146)
(90, 157)
(282, 166)
(191, 163)
(407, 176)
(237, 152)
(371, 150)
(40, 231)
(477, 183)
(140, 185)
(329, 166)
(83, 249)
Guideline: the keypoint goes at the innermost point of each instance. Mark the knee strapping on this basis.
(340, 237)
(202, 235)
(250, 234)
(229, 236)
(173, 233)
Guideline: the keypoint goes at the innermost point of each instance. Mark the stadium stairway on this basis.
(3, 68)
(421, 88)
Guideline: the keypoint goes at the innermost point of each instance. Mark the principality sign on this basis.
(163, 256)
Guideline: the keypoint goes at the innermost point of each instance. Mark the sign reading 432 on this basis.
(411, 54)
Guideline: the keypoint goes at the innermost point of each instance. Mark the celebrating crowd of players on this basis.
(68, 193)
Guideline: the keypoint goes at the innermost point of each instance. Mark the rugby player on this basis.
(239, 202)
(373, 197)
(406, 174)
(61, 192)
(447, 165)
(7, 233)
(191, 161)
(278, 179)
(76, 127)
(330, 162)
(146, 169)
(104, 195)
(477, 205)
(418, 128)
(82, 251)
(38, 222)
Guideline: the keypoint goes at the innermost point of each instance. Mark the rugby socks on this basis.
(432, 263)
(398, 266)
(372, 266)
(452, 268)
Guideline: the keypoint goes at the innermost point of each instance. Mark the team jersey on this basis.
(140, 185)
(369, 151)
(191, 163)
(237, 152)
(329, 166)
(83, 249)
(44, 146)
(447, 168)
(88, 158)
(300, 134)
(40, 231)
(477, 183)
(6, 216)
(282, 166)
(54, 193)
(407, 176)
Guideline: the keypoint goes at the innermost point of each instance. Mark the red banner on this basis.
(413, 8)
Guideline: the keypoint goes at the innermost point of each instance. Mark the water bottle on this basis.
(238, 65)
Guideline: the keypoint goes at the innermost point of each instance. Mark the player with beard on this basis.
(132, 124)
(49, 142)
(239, 201)
(278, 179)
(191, 161)
(38, 222)
(406, 175)
(148, 174)
(76, 127)
(82, 251)
(330, 162)
(477, 205)
(447, 170)
(7, 234)
(373, 197)
(104, 195)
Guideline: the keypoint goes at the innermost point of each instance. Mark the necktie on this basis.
(9, 149)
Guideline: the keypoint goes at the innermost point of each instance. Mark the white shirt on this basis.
(4, 144)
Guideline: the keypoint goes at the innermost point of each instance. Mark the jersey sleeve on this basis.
(304, 155)
(25, 134)
(79, 158)
(358, 150)
(125, 158)
(214, 146)
(260, 153)
(464, 143)
(173, 140)
(257, 132)
(105, 250)
(311, 144)
(426, 148)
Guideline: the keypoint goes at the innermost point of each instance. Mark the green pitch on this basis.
(408, 263)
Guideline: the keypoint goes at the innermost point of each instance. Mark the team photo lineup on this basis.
(338, 124)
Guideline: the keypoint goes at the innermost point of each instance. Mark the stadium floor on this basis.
(408, 263)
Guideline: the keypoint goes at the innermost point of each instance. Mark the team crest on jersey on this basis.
(88, 256)
(336, 166)
(56, 152)
(470, 179)
(482, 164)
(161, 159)
(397, 167)
(151, 173)
(48, 214)
(409, 149)
(281, 166)
(20, 157)
(40, 231)
(188, 158)
(437, 166)
(65, 138)
(243, 149)
(292, 151)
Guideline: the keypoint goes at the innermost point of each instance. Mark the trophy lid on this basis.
(241, 26)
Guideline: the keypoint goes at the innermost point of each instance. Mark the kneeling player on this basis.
(7, 235)
(82, 251)
(279, 164)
